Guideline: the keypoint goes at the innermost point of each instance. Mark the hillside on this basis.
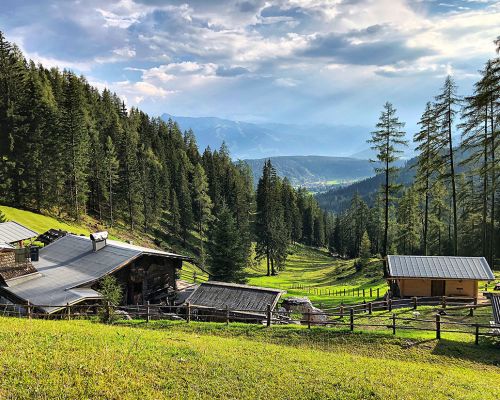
(82, 359)
(257, 140)
(315, 172)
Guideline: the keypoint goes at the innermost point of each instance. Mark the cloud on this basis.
(380, 52)
(230, 71)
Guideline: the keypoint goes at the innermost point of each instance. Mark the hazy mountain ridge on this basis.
(258, 140)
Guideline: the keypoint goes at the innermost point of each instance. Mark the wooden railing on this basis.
(363, 316)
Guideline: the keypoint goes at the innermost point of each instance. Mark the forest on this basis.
(444, 202)
(69, 150)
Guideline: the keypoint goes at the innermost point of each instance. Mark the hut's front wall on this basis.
(423, 287)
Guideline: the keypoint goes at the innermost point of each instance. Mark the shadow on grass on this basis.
(488, 351)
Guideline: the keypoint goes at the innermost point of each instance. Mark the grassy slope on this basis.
(315, 269)
(41, 223)
(81, 359)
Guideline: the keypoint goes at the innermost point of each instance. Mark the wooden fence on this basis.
(363, 316)
(352, 292)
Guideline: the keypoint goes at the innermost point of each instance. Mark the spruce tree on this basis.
(227, 254)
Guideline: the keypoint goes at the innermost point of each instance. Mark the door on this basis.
(438, 288)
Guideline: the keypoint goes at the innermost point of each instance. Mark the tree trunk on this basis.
(453, 186)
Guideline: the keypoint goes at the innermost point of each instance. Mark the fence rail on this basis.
(350, 317)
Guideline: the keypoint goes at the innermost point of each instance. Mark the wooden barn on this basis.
(69, 269)
(424, 276)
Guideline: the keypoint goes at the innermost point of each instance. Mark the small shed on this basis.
(246, 303)
(426, 276)
(12, 232)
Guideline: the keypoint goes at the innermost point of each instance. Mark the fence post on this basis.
(471, 312)
(443, 302)
(414, 303)
(389, 304)
(438, 326)
(341, 311)
(28, 309)
(363, 293)
(227, 314)
(358, 292)
(188, 312)
(370, 308)
(476, 341)
(371, 292)
(351, 318)
(108, 312)
(68, 311)
(393, 323)
(344, 291)
(148, 316)
(268, 309)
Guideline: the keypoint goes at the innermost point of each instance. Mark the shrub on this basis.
(112, 294)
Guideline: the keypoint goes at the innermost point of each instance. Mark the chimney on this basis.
(98, 240)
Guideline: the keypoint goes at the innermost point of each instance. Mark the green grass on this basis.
(82, 359)
(41, 223)
(316, 270)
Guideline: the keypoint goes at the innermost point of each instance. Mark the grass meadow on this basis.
(84, 359)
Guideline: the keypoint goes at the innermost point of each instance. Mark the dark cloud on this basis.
(340, 49)
(231, 71)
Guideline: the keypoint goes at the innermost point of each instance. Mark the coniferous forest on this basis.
(69, 150)
(449, 204)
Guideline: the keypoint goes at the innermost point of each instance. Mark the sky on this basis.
(295, 61)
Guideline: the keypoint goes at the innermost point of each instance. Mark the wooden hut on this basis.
(425, 276)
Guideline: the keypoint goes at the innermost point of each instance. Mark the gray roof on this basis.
(439, 267)
(235, 297)
(69, 263)
(495, 305)
(11, 232)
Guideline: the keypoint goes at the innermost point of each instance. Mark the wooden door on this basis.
(438, 288)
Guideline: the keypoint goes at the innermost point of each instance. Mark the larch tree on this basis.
(447, 105)
(386, 141)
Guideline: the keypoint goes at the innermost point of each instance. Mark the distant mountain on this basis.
(338, 199)
(250, 140)
(315, 172)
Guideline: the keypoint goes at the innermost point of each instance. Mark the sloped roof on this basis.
(11, 232)
(236, 297)
(69, 263)
(6, 246)
(439, 267)
(495, 305)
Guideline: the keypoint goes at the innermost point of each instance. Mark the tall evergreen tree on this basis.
(386, 140)
(227, 253)
(447, 103)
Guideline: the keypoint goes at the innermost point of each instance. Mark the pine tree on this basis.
(386, 141)
(227, 254)
(111, 169)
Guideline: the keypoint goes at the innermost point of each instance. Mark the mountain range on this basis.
(259, 140)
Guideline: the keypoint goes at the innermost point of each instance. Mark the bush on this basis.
(112, 294)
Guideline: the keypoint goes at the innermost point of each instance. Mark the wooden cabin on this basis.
(69, 270)
(425, 276)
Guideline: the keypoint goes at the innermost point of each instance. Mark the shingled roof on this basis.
(234, 296)
(439, 267)
(11, 232)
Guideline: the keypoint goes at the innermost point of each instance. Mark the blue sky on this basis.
(296, 61)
